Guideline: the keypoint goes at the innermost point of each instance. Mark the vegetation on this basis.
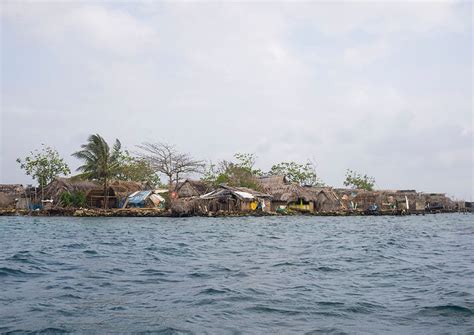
(100, 162)
(44, 165)
(356, 180)
(137, 169)
(303, 174)
(166, 159)
(240, 173)
(75, 199)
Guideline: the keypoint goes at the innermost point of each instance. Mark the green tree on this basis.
(137, 169)
(240, 173)
(303, 174)
(101, 163)
(44, 165)
(359, 181)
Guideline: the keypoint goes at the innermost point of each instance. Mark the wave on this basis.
(446, 310)
(6, 272)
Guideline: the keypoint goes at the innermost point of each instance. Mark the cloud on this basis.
(345, 84)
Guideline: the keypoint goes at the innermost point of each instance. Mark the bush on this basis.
(75, 199)
(66, 199)
(79, 199)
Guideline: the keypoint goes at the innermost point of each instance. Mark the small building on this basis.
(10, 195)
(288, 195)
(145, 199)
(192, 188)
(117, 193)
(326, 199)
(71, 185)
(236, 199)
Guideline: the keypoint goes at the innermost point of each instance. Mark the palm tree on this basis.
(99, 162)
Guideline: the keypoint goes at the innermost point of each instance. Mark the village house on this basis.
(10, 195)
(146, 199)
(286, 195)
(236, 199)
(117, 193)
(192, 188)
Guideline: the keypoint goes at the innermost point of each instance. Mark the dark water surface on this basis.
(251, 275)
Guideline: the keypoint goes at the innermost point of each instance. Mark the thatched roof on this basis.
(282, 190)
(54, 189)
(12, 188)
(123, 188)
(328, 192)
(190, 188)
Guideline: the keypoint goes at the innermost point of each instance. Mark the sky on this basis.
(383, 88)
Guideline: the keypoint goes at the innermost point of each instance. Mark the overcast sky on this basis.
(381, 88)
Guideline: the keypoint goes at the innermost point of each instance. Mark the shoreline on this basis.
(83, 212)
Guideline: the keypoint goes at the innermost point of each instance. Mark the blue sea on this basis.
(255, 275)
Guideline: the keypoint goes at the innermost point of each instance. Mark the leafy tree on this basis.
(100, 162)
(240, 173)
(137, 169)
(358, 181)
(166, 159)
(44, 165)
(303, 174)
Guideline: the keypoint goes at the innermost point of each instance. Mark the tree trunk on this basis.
(106, 196)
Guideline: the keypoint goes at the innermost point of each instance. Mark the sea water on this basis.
(412, 274)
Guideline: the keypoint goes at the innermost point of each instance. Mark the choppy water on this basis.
(251, 275)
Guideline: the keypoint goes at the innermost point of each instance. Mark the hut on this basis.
(236, 199)
(192, 188)
(438, 202)
(71, 185)
(145, 199)
(10, 195)
(326, 199)
(117, 193)
(288, 195)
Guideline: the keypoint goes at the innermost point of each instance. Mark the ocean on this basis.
(258, 275)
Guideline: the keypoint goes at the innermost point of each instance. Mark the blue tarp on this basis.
(138, 199)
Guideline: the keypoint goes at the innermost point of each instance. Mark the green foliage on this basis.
(44, 165)
(100, 162)
(240, 173)
(358, 181)
(75, 199)
(66, 199)
(137, 169)
(303, 174)
(79, 199)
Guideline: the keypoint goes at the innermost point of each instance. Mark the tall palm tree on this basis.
(100, 163)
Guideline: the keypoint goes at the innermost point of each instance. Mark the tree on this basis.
(100, 162)
(303, 174)
(240, 173)
(136, 169)
(358, 181)
(164, 158)
(44, 165)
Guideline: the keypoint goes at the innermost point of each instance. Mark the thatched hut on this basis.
(58, 186)
(438, 201)
(192, 188)
(288, 195)
(236, 199)
(9, 195)
(118, 191)
(326, 199)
